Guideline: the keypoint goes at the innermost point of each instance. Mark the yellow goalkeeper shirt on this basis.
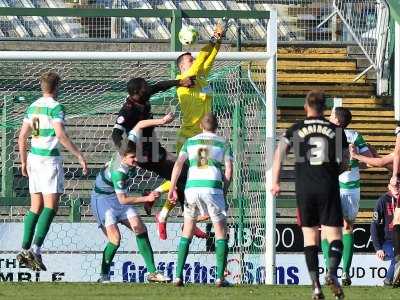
(196, 101)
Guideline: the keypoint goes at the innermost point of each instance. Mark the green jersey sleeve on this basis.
(184, 150)
(228, 155)
(360, 143)
(58, 114)
(120, 182)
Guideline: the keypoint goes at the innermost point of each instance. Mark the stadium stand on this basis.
(300, 68)
(295, 22)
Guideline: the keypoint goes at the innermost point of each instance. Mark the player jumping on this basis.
(44, 121)
(111, 204)
(136, 108)
(349, 182)
(205, 191)
(319, 147)
(194, 103)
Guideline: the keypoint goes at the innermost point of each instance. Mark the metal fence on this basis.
(364, 22)
(297, 20)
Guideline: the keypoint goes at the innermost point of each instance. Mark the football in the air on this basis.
(188, 35)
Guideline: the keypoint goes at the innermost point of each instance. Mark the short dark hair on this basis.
(209, 122)
(49, 81)
(130, 148)
(343, 115)
(180, 57)
(315, 99)
(134, 85)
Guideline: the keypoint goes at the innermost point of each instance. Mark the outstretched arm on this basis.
(161, 86)
(198, 64)
(384, 161)
(168, 118)
(211, 58)
(124, 199)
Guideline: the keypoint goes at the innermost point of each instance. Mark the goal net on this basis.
(92, 92)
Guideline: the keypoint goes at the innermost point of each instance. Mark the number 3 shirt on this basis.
(318, 146)
(207, 153)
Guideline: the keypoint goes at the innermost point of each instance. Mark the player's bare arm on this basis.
(128, 200)
(280, 154)
(69, 145)
(168, 118)
(24, 134)
(384, 161)
(228, 175)
(176, 172)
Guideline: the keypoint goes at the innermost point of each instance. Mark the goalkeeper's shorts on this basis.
(203, 204)
(350, 199)
(108, 211)
(46, 174)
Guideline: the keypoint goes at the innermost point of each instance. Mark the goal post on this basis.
(94, 88)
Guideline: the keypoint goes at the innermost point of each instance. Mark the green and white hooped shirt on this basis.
(113, 178)
(350, 180)
(40, 115)
(207, 153)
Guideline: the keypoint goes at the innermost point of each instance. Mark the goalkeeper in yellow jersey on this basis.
(194, 103)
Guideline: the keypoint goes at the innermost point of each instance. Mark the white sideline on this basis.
(122, 56)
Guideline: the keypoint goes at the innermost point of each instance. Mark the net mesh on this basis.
(93, 93)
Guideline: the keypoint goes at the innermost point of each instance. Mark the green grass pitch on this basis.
(117, 291)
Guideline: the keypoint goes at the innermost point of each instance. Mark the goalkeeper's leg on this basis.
(162, 189)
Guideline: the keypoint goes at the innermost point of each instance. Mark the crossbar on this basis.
(121, 56)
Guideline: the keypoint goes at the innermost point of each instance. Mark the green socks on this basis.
(325, 252)
(29, 229)
(108, 256)
(221, 250)
(146, 251)
(43, 225)
(183, 250)
(348, 243)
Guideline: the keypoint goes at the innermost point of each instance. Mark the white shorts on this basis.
(350, 200)
(108, 210)
(198, 204)
(46, 174)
